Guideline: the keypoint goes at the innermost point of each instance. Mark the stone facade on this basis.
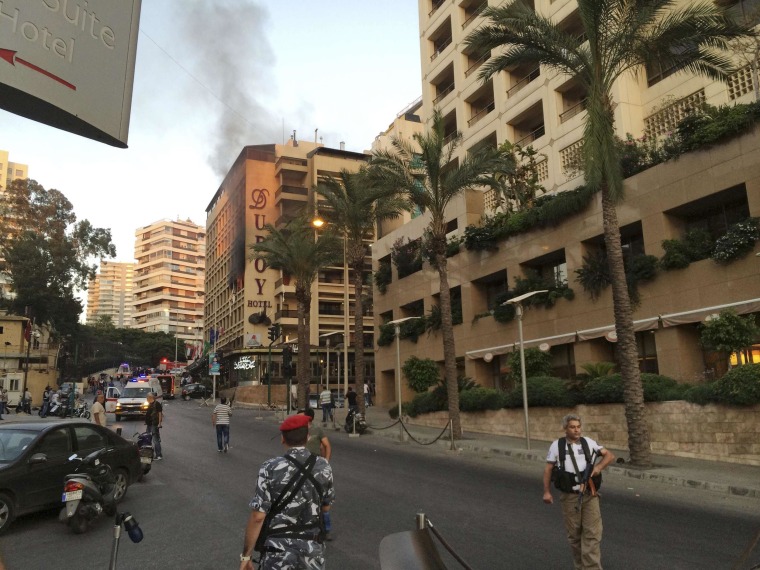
(712, 432)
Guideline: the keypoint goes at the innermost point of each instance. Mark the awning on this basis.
(698, 315)
(533, 342)
(639, 325)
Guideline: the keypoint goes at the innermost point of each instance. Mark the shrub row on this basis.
(739, 387)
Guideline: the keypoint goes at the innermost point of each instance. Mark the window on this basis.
(89, 439)
(57, 443)
(714, 213)
(563, 361)
(647, 352)
(552, 267)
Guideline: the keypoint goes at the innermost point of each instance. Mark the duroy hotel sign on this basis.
(70, 64)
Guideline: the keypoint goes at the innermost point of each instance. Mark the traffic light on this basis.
(287, 360)
(273, 332)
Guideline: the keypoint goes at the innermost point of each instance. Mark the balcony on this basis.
(443, 92)
(573, 111)
(482, 113)
(289, 163)
(534, 135)
(476, 64)
(523, 82)
(474, 13)
(286, 192)
(439, 47)
(436, 4)
(285, 314)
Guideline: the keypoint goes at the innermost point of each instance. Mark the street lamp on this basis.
(397, 326)
(517, 302)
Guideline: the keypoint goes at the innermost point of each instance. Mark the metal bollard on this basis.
(118, 431)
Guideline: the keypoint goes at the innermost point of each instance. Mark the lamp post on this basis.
(517, 302)
(397, 327)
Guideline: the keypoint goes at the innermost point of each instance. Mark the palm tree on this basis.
(353, 207)
(622, 36)
(296, 251)
(431, 176)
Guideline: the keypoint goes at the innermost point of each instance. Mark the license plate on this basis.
(146, 460)
(72, 496)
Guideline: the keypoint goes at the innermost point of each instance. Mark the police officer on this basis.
(292, 491)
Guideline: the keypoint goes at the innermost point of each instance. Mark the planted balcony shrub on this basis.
(407, 257)
(387, 335)
(697, 244)
(421, 373)
(738, 241)
(383, 277)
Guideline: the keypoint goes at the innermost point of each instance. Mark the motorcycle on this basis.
(144, 443)
(81, 411)
(355, 422)
(88, 492)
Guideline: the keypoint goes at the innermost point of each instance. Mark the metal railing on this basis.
(439, 47)
(443, 92)
(436, 5)
(474, 14)
(477, 64)
(523, 82)
(572, 111)
(482, 113)
(539, 132)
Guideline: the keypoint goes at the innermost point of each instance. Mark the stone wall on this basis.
(256, 394)
(713, 432)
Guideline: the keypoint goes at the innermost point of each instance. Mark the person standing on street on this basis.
(220, 419)
(45, 402)
(3, 401)
(286, 524)
(154, 418)
(99, 411)
(326, 401)
(351, 399)
(319, 445)
(583, 520)
(28, 401)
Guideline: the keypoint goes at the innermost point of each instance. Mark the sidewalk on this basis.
(719, 477)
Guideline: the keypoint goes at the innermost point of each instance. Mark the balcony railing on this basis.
(572, 111)
(474, 14)
(443, 92)
(436, 4)
(539, 132)
(439, 47)
(482, 113)
(450, 137)
(475, 65)
(298, 190)
(524, 81)
(285, 314)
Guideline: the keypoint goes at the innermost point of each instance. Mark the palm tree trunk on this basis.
(635, 412)
(357, 266)
(449, 350)
(304, 351)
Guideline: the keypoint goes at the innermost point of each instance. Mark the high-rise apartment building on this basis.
(110, 294)
(168, 279)
(272, 184)
(546, 110)
(10, 171)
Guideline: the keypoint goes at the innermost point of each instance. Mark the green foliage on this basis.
(728, 332)
(542, 391)
(709, 125)
(696, 245)
(537, 363)
(424, 403)
(738, 241)
(440, 392)
(504, 313)
(421, 373)
(609, 389)
(412, 329)
(638, 154)
(383, 276)
(386, 336)
(740, 386)
(598, 369)
(407, 257)
(478, 399)
(594, 274)
(515, 183)
(640, 268)
(701, 394)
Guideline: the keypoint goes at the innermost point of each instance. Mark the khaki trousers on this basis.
(584, 530)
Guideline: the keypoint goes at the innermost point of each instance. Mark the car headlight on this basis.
(144, 405)
(118, 406)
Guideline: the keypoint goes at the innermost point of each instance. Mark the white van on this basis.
(133, 400)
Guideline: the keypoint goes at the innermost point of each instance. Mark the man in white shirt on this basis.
(99, 411)
(220, 419)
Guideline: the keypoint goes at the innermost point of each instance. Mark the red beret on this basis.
(294, 422)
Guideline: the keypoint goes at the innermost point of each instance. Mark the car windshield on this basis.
(13, 442)
(135, 392)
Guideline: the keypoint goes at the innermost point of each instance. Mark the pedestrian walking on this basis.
(285, 524)
(326, 400)
(220, 419)
(28, 401)
(45, 402)
(318, 444)
(367, 395)
(154, 418)
(3, 401)
(98, 411)
(582, 515)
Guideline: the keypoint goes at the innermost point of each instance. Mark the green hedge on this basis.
(739, 387)
(542, 391)
(479, 399)
(609, 389)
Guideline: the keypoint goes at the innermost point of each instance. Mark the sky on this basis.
(212, 77)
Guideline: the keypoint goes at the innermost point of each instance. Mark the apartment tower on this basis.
(110, 294)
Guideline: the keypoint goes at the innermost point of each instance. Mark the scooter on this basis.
(144, 443)
(89, 492)
(355, 422)
(81, 411)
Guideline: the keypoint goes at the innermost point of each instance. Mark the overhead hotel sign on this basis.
(70, 64)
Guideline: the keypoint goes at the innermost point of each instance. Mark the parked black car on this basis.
(195, 391)
(34, 460)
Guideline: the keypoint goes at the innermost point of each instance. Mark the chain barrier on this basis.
(382, 428)
(414, 439)
(445, 544)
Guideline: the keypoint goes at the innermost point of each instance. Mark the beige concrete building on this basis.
(271, 184)
(546, 110)
(10, 171)
(110, 294)
(168, 279)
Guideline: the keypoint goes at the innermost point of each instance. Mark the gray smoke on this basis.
(233, 58)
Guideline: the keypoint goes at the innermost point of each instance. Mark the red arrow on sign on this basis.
(10, 56)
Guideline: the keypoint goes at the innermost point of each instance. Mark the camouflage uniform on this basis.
(304, 509)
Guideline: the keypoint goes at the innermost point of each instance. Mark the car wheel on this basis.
(120, 486)
(7, 512)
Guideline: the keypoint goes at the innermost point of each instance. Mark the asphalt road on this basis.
(192, 508)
